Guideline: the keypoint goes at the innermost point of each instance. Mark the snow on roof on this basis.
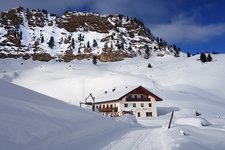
(113, 94)
(119, 92)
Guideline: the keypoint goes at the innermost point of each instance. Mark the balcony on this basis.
(130, 99)
(108, 109)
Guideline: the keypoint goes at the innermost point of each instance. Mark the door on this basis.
(139, 114)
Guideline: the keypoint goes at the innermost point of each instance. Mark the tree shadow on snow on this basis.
(166, 110)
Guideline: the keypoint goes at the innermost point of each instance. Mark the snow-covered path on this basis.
(142, 139)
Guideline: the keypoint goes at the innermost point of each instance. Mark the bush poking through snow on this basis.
(149, 65)
(197, 113)
(183, 133)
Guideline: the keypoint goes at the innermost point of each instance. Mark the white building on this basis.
(118, 101)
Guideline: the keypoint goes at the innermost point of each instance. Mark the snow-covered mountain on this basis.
(31, 120)
(75, 35)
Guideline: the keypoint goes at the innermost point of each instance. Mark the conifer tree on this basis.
(129, 48)
(21, 35)
(45, 12)
(80, 37)
(161, 43)
(188, 55)
(51, 42)
(42, 39)
(209, 58)
(112, 37)
(122, 45)
(95, 44)
(174, 47)
(203, 57)
(147, 50)
(111, 46)
(177, 51)
(106, 45)
(157, 39)
(73, 43)
(88, 44)
(94, 61)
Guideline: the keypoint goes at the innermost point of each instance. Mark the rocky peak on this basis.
(73, 22)
(75, 35)
(37, 18)
(12, 18)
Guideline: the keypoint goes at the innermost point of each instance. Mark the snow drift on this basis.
(193, 121)
(33, 121)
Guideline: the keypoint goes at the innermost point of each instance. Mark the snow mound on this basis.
(192, 121)
(33, 121)
(127, 118)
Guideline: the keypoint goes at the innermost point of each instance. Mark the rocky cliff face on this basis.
(41, 36)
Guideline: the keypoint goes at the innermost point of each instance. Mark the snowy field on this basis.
(34, 121)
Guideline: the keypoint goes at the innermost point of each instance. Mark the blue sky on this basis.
(193, 25)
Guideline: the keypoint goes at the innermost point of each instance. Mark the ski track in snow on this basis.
(142, 139)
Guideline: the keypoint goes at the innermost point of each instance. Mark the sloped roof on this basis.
(113, 93)
(119, 92)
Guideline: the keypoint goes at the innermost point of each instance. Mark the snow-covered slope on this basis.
(32, 121)
(184, 84)
(179, 81)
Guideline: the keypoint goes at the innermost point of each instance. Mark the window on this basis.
(148, 114)
(134, 104)
(142, 96)
(142, 104)
(97, 106)
(149, 104)
(125, 105)
(135, 96)
(107, 106)
(139, 114)
(111, 105)
(103, 106)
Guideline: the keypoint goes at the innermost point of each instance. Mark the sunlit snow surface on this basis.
(33, 121)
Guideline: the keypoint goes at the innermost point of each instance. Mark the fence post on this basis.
(171, 118)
